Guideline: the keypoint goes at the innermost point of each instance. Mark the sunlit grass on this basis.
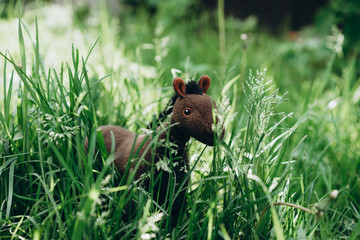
(287, 145)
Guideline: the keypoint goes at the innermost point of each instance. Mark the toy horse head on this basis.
(193, 110)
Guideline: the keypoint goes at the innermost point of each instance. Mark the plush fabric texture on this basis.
(191, 87)
(192, 111)
(199, 123)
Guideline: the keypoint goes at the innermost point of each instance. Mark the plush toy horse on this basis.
(191, 116)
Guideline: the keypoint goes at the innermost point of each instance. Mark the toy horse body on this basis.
(191, 117)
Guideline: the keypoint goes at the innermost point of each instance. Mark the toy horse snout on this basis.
(214, 135)
(208, 138)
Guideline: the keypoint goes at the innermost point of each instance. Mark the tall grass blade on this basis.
(222, 43)
(83, 216)
(11, 189)
(24, 103)
(278, 230)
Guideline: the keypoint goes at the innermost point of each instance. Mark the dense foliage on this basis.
(289, 166)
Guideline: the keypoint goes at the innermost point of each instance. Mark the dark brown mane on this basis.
(192, 87)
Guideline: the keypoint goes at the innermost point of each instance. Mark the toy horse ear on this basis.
(179, 87)
(204, 83)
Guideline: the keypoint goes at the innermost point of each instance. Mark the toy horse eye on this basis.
(187, 112)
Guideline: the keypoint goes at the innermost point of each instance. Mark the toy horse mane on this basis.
(192, 87)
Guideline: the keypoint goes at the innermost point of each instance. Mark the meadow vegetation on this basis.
(288, 167)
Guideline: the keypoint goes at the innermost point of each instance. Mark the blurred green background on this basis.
(310, 51)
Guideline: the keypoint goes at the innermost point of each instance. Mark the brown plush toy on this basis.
(191, 116)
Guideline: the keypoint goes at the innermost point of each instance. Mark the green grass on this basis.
(289, 142)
